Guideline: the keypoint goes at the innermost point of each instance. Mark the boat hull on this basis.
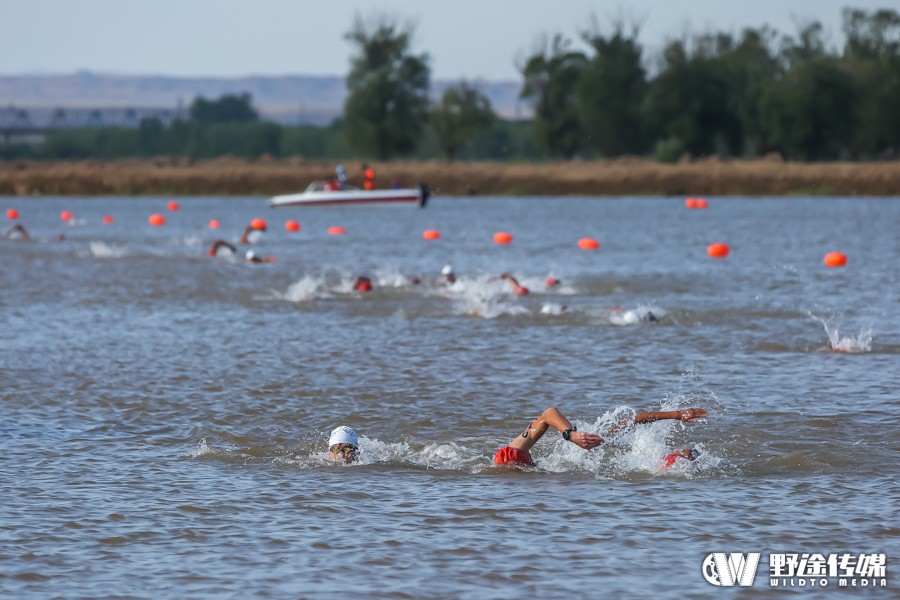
(411, 196)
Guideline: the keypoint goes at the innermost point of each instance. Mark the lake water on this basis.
(165, 414)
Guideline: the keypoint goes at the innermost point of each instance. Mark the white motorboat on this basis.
(318, 193)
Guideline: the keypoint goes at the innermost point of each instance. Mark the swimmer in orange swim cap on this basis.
(689, 453)
(518, 290)
(362, 284)
(517, 452)
(218, 245)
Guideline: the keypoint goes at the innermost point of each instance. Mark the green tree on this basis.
(551, 77)
(387, 102)
(689, 102)
(462, 112)
(872, 58)
(809, 114)
(227, 109)
(610, 92)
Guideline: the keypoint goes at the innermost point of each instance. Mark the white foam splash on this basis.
(849, 345)
(308, 288)
(101, 250)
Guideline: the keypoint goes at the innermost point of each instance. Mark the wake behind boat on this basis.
(318, 193)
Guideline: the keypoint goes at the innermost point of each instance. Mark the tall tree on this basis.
(611, 91)
(387, 104)
(809, 114)
(872, 58)
(689, 101)
(461, 114)
(551, 77)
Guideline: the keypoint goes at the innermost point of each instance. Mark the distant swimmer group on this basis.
(343, 443)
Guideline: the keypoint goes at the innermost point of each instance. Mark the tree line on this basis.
(598, 95)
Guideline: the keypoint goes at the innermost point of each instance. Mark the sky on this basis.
(465, 39)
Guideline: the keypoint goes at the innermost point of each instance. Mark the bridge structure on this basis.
(29, 126)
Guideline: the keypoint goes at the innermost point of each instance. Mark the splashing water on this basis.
(850, 345)
(101, 250)
(645, 313)
(308, 288)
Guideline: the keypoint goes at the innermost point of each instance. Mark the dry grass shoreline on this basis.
(229, 176)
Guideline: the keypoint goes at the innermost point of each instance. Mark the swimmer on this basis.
(245, 238)
(447, 275)
(551, 308)
(517, 452)
(252, 257)
(689, 453)
(518, 290)
(343, 444)
(552, 282)
(17, 232)
(362, 284)
(620, 316)
(218, 245)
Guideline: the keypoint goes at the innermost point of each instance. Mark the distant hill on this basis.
(289, 99)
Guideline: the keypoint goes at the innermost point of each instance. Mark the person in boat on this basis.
(518, 290)
(517, 451)
(362, 284)
(218, 245)
(447, 275)
(253, 257)
(368, 177)
(341, 176)
(343, 444)
(17, 232)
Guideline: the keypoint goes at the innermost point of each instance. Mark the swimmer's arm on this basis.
(686, 415)
(553, 418)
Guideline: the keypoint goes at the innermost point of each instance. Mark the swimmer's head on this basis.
(343, 444)
(343, 435)
(447, 270)
(251, 255)
(552, 282)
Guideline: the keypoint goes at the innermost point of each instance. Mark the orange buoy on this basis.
(835, 259)
(701, 203)
(156, 220)
(718, 250)
(65, 216)
(12, 214)
(258, 223)
(336, 231)
(292, 225)
(107, 220)
(173, 206)
(501, 237)
(213, 224)
(691, 203)
(588, 244)
(431, 234)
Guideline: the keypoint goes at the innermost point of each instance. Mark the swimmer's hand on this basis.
(585, 440)
(692, 414)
